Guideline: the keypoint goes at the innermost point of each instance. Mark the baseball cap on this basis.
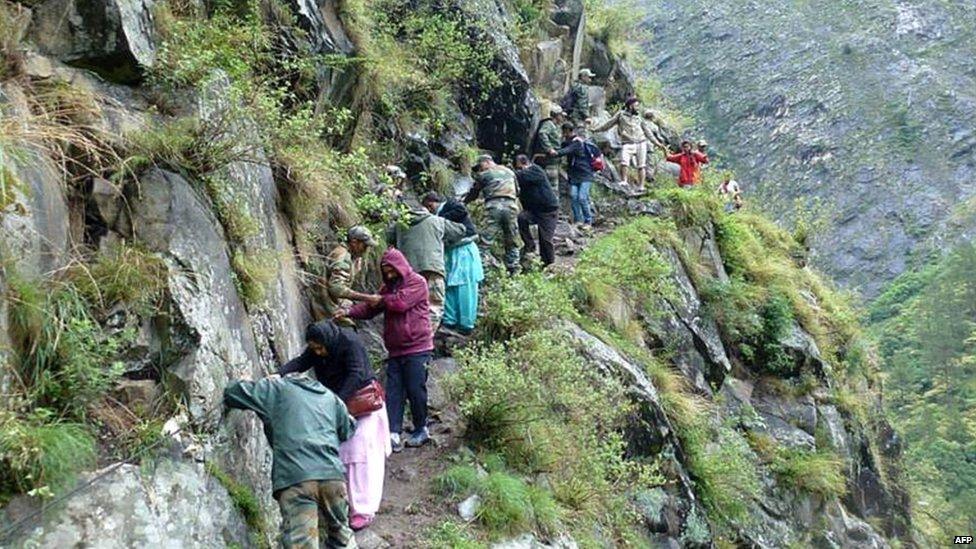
(361, 234)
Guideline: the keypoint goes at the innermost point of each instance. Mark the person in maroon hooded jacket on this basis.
(405, 303)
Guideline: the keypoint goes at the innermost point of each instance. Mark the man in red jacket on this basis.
(690, 162)
(405, 303)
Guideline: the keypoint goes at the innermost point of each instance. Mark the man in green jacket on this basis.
(634, 136)
(304, 423)
(422, 239)
(500, 190)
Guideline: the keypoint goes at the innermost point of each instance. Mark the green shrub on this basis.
(457, 481)
(627, 259)
(506, 507)
(819, 472)
(254, 272)
(518, 305)
(66, 360)
(40, 454)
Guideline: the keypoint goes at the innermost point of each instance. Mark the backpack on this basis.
(568, 101)
(597, 161)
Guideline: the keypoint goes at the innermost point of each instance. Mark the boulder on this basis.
(649, 433)
(529, 541)
(111, 37)
(468, 509)
(699, 351)
(278, 330)
(164, 504)
(547, 69)
(506, 121)
(34, 223)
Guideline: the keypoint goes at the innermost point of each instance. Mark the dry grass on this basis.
(14, 19)
(58, 122)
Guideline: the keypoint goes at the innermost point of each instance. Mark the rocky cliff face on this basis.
(205, 331)
(859, 111)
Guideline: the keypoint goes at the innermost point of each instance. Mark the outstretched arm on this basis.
(608, 124)
(257, 396)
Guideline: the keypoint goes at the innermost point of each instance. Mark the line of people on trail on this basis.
(331, 433)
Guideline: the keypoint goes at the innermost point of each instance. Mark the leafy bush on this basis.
(517, 305)
(616, 24)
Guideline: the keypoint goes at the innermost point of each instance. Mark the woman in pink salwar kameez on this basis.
(341, 364)
(364, 456)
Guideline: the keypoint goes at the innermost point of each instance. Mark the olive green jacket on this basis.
(304, 423)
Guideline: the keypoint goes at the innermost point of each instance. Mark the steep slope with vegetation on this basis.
(858, 111)
(172, 175)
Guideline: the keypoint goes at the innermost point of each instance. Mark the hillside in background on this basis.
(861, 112)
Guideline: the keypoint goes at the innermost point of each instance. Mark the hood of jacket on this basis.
(417, 216)
(325, 333)
(306, 383)
(395, 258)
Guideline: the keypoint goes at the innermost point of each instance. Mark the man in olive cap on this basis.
(342, 267)
(548, 138)
(576, 102)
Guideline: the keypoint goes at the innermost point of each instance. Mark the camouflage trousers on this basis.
(314, 510)
(438, 291)
(552, 172)
(502, 231)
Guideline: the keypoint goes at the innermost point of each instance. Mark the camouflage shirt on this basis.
(340, 272)
(497, 182)
(549, 137)
(581, 102)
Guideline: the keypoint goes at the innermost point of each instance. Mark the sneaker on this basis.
(396, 442)
(358, 522)
(419, 438)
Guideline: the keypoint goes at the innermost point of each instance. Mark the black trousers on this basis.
(547, 229)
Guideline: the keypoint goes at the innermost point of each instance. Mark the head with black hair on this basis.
(432, 201)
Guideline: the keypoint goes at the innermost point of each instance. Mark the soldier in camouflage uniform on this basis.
(498, 187)
(576, 103)
(307, 474)
(342, 267)
(550, 138)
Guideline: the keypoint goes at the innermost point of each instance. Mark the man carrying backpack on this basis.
(585, 160)
(576, 102)
(634, 136)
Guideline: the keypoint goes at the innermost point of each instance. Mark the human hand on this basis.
(340, 314)
(374, 299)
(274, 375)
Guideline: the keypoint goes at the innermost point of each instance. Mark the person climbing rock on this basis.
(730, 191)
(422, 239)
(581, 153)
(549, 137)
(305, 423)
(340, 362)
(462, 262)
(342, 267)
(634, 137)
(576, 102)
(404, 301)
(500, 191)
(540, 207)
(689, 160)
